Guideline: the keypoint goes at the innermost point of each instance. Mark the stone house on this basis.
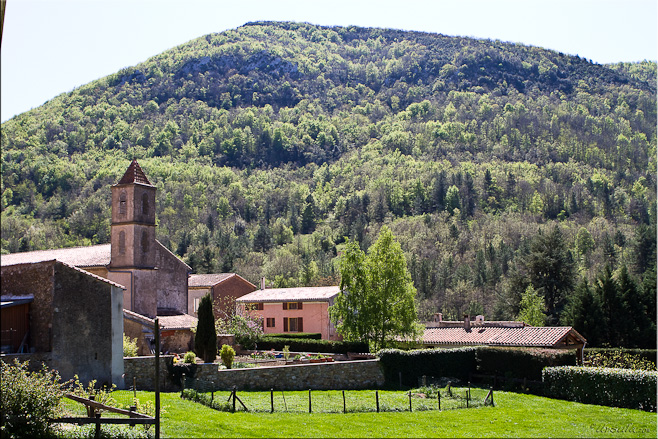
(47, 305)
(284, 310)
(224, 289)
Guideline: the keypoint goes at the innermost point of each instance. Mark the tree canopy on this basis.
(376, 304)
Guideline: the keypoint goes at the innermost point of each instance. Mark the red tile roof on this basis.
(303, 294)
(499, 336)
(167, 323)
(134, 174)
(92, 256)
(208, 280)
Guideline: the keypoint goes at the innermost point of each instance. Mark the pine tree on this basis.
(205, 340)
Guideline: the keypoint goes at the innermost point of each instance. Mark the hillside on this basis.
(273, 142)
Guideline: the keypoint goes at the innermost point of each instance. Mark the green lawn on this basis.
(515, 415)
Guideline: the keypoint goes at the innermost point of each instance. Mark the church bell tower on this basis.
(133, 221)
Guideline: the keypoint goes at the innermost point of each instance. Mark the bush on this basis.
(176, 372)
(457, 363)
(305, 345)
(227, 355)
(28, 400)
(638, 359)
(190, 357)
(205, 339)
(521, 362)
(129, 346)
(634, 389)
(298, 335)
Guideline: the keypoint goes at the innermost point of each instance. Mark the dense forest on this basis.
(497, 166)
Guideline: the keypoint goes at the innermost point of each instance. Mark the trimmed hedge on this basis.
(626, 388)
(644, 354)
(298, 335)
(457, 363)
(306, 345)
(521, 362)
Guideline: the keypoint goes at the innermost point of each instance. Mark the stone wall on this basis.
(143, 370)
(339, 375)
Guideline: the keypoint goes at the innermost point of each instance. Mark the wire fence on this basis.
(336, 401)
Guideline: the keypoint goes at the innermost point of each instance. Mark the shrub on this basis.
(635, 389)
(247, 329)
(28, 400)
(227, 355)
(521, 362)
(176, 372)
(303, 345)
(190, 357)
(458, 363)
(129, 346)
(205, 339)
(638, 359)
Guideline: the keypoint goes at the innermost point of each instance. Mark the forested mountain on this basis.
(496, 165)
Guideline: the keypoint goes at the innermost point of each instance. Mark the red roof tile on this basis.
(208, 280)
(303, 294)
(92, 256)
(499, 336)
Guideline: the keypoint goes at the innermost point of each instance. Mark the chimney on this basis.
(479, 319)
(467, 323)
(438, 317)
(262, 283)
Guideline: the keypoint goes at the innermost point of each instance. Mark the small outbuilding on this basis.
(224, 289)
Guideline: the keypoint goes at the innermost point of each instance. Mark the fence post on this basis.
(492, 402)
(212, 394)
(467, 399)
(410, 402)
(156, 333)
(309, 400)
(135, 387)
(97, 433)
(344, 407)
(234, 389)
(272, 400)
(438, 397)
(377, 399)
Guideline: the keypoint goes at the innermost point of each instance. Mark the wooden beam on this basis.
(84, 421)
(98, 405)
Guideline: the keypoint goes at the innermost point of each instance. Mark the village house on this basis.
(63, 316)
(224, 289)
(479, 332)
(154, 280)
(290, 310)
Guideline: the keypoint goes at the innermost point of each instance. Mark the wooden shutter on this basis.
(300, 326)
(285, 305)
(299, 305)
(285, 324)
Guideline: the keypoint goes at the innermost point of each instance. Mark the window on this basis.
(122, 242)
(270, 322)
(145, 204)
(292, 305)
(293, 324)
(145, 242)
(254, 307)
(196, 304)
(122, 203)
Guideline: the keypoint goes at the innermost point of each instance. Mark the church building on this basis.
(154, 280)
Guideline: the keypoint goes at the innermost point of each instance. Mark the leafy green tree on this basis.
(205, 339)
(532, 308)
(584, 313)
(377, 299)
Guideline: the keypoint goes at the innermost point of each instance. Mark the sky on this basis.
(52, 47)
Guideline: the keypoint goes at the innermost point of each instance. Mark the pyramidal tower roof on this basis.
(134, 174)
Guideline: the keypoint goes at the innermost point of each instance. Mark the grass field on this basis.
(515, 415)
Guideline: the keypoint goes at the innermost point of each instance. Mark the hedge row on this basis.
(521, 363)
(454, 363)
(460, 362)
(635, 389)
(298, 335)
(305, 345)
(647, 354)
